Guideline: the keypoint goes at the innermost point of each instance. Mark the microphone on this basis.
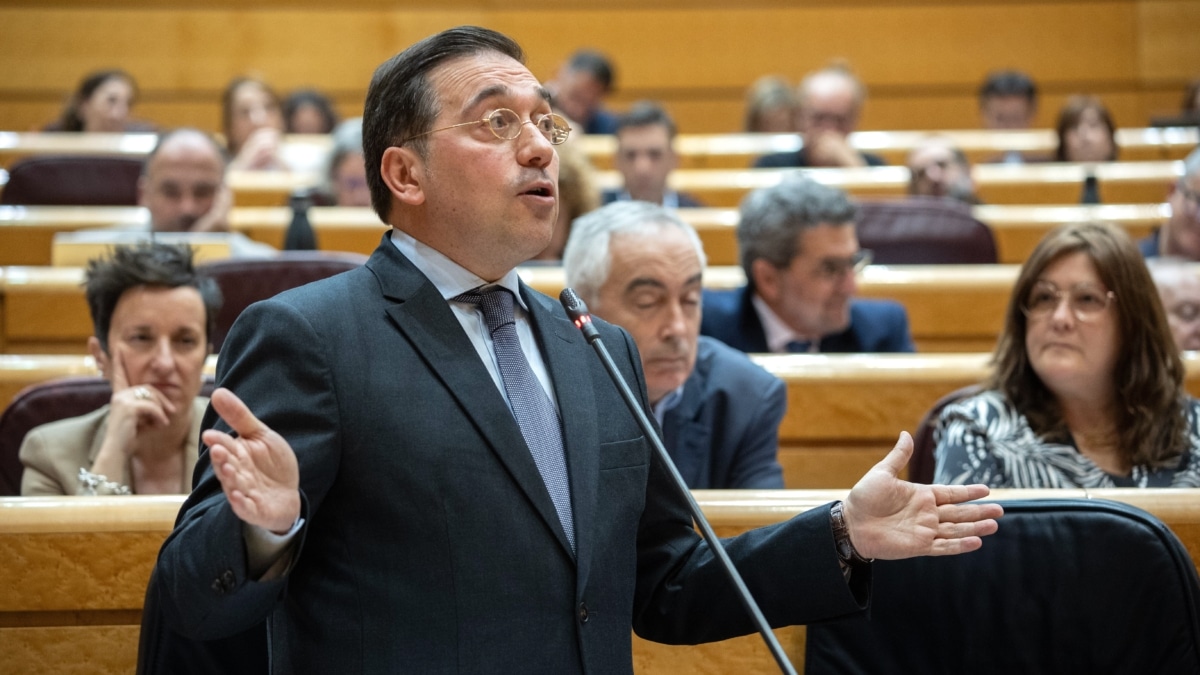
(578, 313)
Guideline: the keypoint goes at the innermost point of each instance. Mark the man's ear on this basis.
(97, 352)
(766, 280)
(403, 171)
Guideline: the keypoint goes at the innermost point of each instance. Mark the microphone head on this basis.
(573, 304)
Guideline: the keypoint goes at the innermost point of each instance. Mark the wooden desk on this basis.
(26, 232)
(844, 410)
(738, 151)
(304, 152)
(1120, 182)
(696, 151)
(951, 308)
(1017, 229)
(67, 609)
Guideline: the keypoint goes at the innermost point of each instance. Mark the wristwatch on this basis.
(841, 537)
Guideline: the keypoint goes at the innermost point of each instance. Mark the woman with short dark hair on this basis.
(153, 315)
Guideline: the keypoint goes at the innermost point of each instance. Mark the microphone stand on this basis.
(577, 311)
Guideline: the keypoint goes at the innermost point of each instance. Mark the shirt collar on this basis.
(450, 278)
(668, 403)
(670, 198)
(778, 333)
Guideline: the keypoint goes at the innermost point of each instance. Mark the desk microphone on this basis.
(578, 313)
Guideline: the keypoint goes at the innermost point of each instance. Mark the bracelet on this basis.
(90, 483)
(841, 537)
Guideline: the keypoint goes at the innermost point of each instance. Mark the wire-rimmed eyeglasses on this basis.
(507, 125)
(1086, 301)
(833, 269)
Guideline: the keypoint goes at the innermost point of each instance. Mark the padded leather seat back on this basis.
(244, 282)
(69, 180)
(920, 465)
(1065, 586)
(49, 402)
(924, 231)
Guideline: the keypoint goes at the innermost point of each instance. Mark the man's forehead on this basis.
(645, 133)
(649, 254)
(826, 239)
(465, 81)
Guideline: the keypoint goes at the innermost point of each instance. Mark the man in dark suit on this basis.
(639, 266)
(1179, 236)
(437, 475)
(829, 102)
(646, 157)
(580, 87)
(801, 257)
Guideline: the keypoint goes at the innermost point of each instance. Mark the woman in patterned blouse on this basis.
(1087, 389)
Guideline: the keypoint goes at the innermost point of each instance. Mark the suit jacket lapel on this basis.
(682, 432)
(751, 326)
(560, 341)
(421, 314)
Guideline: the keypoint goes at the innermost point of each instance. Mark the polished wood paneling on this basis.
(1135, 54)
(99, 633)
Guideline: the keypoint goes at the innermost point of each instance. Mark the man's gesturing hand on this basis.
(257, 470)
(892, 519)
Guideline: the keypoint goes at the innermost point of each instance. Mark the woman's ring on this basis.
(141, 393)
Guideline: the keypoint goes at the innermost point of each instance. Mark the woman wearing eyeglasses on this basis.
(1087, 389)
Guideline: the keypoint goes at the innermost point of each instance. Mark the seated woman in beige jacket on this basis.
(152, 314)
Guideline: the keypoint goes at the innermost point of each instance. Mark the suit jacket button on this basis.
(583, 612)
(218, 587)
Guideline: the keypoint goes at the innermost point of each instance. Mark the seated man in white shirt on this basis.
(183, 186)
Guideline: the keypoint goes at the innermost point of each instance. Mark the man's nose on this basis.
(533, 148)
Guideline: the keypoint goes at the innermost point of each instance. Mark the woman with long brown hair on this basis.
(1088, 384)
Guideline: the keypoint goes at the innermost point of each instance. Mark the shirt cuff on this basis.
(265, 550)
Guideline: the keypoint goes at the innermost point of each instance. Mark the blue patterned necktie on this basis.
(530, 405)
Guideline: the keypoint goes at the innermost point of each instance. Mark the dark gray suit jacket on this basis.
(430, 543)
(724, 433)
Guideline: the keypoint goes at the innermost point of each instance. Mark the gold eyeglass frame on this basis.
(560, 127)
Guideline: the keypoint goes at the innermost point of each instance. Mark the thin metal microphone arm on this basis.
(577, 311)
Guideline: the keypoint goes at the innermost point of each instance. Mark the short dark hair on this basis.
(309, 97)
(772, 218)
(70, 120)
(401, 103)
(595, 64)
(146, 264)
(1008, 83)
(645, 114)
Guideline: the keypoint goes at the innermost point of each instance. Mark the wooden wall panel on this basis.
(922, 61)
(1166, 50)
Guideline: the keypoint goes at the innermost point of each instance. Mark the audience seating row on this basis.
(952, 308)
(27, 233)
(70, 609)
(696, 151)
(844, 410)
(1119, 182)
